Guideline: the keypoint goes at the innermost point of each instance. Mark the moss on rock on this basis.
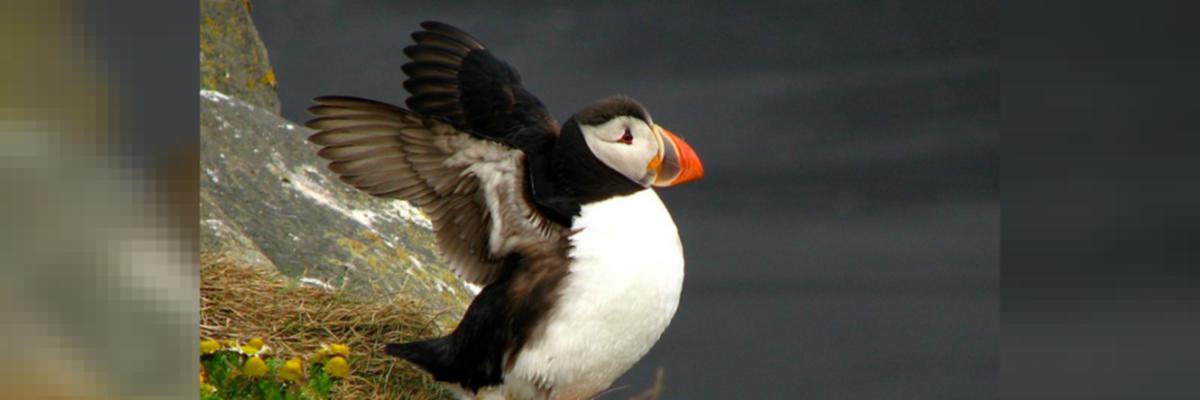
(233, 59)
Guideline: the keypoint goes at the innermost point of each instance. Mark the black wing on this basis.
(455, 78)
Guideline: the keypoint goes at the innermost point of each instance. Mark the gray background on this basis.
(845, 241)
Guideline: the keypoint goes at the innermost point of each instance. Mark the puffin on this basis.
(579, 263)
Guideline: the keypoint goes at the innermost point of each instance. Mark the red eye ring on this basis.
(627, 138)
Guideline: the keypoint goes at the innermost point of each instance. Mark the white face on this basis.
(627, 145)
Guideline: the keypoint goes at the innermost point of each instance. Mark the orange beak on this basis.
(678, 164)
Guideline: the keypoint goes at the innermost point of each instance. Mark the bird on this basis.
(579, 263)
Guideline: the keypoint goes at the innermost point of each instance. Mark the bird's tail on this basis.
(434, 355)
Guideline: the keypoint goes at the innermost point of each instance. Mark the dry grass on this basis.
(240, 302)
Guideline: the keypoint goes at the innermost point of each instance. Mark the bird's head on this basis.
(620, 133)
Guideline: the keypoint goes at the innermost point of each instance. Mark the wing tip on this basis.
(312, 124)
(453, 33)
(429, 23)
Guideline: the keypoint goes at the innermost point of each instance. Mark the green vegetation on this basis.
(247, 371)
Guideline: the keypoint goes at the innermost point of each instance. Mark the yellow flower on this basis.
(338, 367)
(229, 344)
(254, 347)
(292, 370)
(209, 346)
(254, 367)
(334, 349)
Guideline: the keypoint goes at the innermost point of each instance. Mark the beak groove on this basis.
(679, 161)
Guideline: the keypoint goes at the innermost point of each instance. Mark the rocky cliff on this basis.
(268, 201)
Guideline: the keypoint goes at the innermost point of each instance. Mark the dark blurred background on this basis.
(845, 240)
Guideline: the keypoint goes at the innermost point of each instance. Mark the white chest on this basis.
(621, 293)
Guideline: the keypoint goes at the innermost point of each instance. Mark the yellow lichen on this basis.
(269, 78)
(354, 246)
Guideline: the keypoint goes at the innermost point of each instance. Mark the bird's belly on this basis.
(621, 293)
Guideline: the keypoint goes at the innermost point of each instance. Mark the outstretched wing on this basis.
(455, 78)
(472, 189)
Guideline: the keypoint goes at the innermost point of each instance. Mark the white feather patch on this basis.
(496, 167)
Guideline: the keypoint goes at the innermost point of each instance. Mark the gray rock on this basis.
(233, 59)
(267, 200)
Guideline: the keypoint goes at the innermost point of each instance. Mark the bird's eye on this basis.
(627, 138)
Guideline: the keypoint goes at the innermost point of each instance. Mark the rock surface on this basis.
(267, 200)
(233, 59)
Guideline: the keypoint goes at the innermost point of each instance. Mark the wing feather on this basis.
(452, 76)
(472, 189)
